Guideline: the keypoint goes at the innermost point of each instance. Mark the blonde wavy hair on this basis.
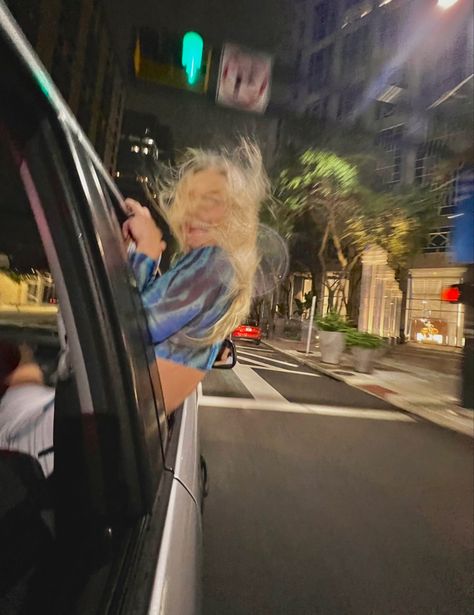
(247, 187)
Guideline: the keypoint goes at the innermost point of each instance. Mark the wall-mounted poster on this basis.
(244, 79)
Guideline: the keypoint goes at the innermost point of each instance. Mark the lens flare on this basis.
(273, 261)
(446, 4)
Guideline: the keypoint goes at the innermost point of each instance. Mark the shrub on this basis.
(292, 329)
(332, 322)
(362, 339)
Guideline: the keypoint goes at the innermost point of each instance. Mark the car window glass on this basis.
(70, 537)
(29, 351)
(28, 302)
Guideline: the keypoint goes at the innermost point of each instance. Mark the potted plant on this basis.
(364, 348)
(332, 340)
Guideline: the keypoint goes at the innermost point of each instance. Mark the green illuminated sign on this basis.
(193, 46)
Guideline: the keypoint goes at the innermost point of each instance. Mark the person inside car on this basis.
(212, 207)
(225, 355)
(26, 406)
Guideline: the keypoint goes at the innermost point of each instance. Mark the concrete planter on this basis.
(364, 359)
(331, 345)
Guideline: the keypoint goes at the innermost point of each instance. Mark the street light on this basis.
(446, 4)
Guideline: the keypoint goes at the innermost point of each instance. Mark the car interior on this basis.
(85, 539)
(44, 520)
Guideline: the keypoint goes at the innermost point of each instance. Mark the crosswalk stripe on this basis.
(260, 364)
(250, 354)
(249, 348)
(256, 385)
(281, 370)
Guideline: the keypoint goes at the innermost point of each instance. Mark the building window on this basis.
(65, 47)
(319, 108)
(448, 69)
(302, 29)
(389, 167)
(324, 19)
(383, 109)
(88, 105)
(428, 319)
(27, 14)
(355, 51)
(439, 240)
(427, 155)
(427, 158)
(62, 64)
(389, 30)
(349, 101)
(299, 55)
(319, 68)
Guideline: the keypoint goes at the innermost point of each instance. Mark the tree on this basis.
(349, 216)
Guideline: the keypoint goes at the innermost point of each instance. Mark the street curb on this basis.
(459, 424)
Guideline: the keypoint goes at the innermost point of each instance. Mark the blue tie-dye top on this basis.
(184, 303)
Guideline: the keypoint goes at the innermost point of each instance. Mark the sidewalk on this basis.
(421, 381)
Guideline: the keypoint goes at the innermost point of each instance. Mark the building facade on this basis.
(403, 70)
(73, 42)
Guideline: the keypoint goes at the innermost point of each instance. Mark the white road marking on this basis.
(260, 364)
(256, 385)
(260, 350)
(242, 403)
(272, 368)
(210, 401)
(252, 354)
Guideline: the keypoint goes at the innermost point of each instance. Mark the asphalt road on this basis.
(324, 500)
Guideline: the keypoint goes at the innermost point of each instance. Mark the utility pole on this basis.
(310, 326)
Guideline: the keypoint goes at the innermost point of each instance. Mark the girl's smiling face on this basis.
(207, 192)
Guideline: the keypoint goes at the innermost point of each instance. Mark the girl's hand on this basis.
(141, 228)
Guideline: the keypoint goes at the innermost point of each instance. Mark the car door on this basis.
(176, 588)
(125, 492)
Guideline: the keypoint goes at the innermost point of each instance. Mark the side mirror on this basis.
(227, 356)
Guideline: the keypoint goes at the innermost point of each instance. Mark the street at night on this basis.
(326, 500)
(236, 307)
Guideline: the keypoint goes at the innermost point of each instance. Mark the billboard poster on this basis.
(244, 79)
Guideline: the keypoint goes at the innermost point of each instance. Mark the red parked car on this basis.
(248, 331)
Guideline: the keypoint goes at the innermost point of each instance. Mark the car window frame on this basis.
(114, 201)
(151, 513)
(133, 565)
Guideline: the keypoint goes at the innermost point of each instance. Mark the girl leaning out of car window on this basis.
(211, 206)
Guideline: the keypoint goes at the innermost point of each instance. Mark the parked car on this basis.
(124, 502)
(249, 332)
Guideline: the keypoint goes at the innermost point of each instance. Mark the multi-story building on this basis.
(73, 42)
(402, 69)
(145, 153)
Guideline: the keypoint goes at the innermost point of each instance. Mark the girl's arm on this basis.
(196, 286)
(148, 238)
(144, 268)
(177, 382)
